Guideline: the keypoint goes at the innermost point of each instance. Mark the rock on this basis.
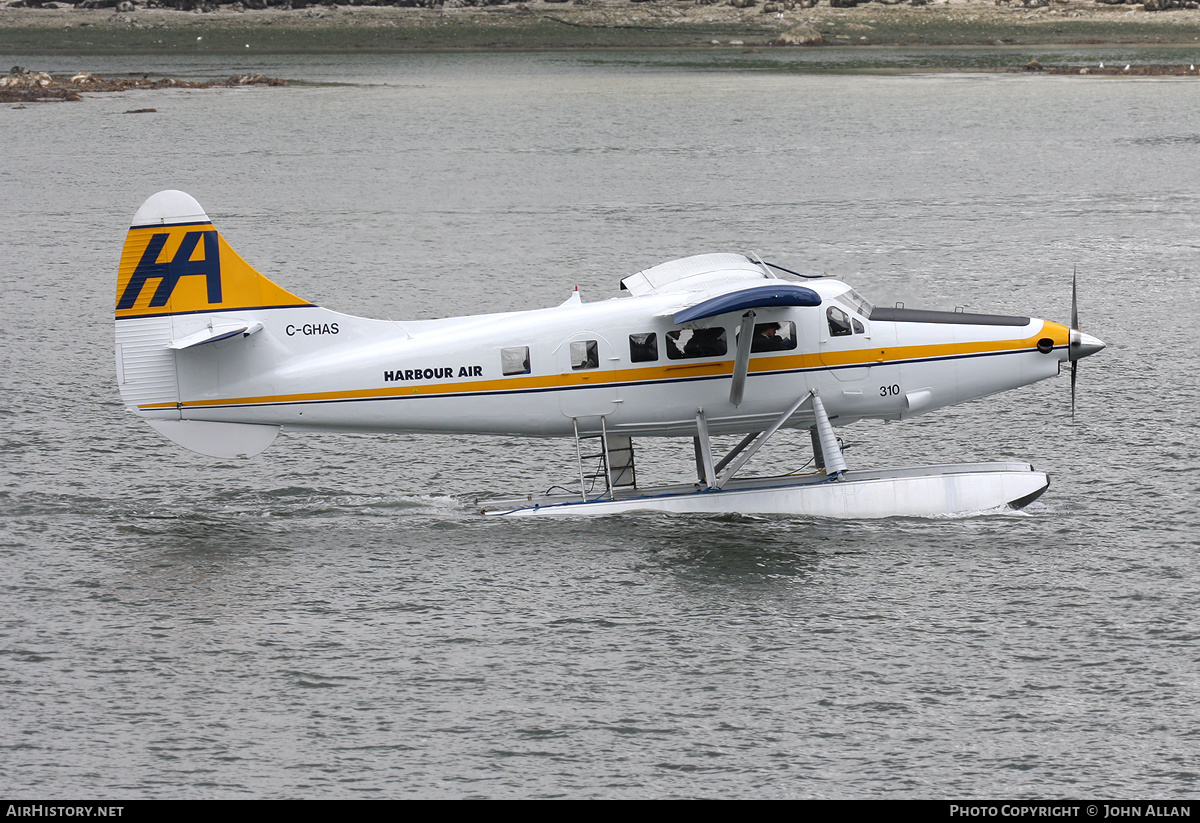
(799, 36)
(24, 78)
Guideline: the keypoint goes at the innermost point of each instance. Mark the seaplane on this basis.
(218, 358)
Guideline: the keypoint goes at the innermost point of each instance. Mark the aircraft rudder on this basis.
(176, 262)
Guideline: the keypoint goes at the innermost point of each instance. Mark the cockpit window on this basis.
(855, 302)
(684, 344)
(839, 322)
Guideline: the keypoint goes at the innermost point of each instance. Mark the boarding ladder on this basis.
(613, 464)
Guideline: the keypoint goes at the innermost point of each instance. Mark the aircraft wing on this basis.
(778, 294)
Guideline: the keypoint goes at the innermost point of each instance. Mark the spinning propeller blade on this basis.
(1081, 345)
(1074, 335)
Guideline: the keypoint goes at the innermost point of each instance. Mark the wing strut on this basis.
(741, 361)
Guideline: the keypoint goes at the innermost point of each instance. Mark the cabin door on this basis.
(587, 363)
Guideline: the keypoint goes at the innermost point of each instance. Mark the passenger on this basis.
(705, 343)
(643, 348)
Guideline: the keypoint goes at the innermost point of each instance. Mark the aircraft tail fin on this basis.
(175, 262)
(180, 286)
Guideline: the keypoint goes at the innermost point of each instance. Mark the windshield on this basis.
(855, 302)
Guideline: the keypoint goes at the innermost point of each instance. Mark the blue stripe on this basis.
(169, 225)
(214, 311)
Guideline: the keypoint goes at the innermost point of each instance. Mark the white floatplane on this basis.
(218, 358)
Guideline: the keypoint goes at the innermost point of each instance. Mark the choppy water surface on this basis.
(331, 619)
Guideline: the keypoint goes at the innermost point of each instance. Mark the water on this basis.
(331, 619)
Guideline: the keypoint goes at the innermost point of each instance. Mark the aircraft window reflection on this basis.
(684, 344)
(514, 360)
(774, 337)
(643, 348)
(855, 302)
(858, 327)
(585, 354)
(839, 322)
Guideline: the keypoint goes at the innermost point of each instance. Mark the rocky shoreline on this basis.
(298, 26)
(1169, 40)
(24, 86)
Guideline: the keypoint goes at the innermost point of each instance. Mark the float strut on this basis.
(704, 458)
(757, 444)
(835, 464)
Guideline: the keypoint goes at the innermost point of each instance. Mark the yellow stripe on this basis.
(863, 357)
(1058, 333)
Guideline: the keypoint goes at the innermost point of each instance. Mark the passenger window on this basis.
(774, 337)
(684, 344)
(643, 348)
(839, 322)
(585, 354)
(514, 360)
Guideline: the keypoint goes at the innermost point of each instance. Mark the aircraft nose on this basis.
(1083, 344)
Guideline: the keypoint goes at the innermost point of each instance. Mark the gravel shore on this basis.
(588, 23)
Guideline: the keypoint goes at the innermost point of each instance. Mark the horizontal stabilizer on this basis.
(781, 294)
(217, 439)
(212, 335)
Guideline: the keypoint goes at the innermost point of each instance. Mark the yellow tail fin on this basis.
(175, 262)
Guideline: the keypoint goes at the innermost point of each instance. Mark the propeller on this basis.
(1075, 334)
(1081, 345)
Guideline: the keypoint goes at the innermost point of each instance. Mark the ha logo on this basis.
(170, 272)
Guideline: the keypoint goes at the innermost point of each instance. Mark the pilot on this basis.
(766, 338)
